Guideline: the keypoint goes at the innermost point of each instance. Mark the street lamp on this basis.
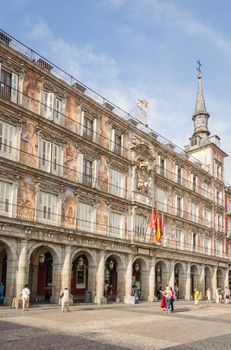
(42, 259)
(137, 267)
(80, 263)
(111, 264)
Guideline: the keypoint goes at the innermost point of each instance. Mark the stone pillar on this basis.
(202, 281)
(10, 281)
(188, 283)
(171, 273)
(214, 282)
(226, 282)
(128, 278)
(22, 272)
(99, 297)
(66, 270)
(56, 283)
(151, 289)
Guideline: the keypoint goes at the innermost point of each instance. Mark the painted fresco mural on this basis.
(72, 111)
(31, 91)
(68, 215)
(103, 174)
(29, 144)
(104, 132)
(101, 218)
(70, 162)
(26, 198)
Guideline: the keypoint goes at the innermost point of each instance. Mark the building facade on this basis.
(78, 180)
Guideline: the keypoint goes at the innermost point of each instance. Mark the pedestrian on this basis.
(227, 295)
(209, 295)
(196, 296)
(163, 301)
(25, 297)
(2, 288)
(172, 299)
(65, 298)
(176, 291)
(219, 295)
(167, 294)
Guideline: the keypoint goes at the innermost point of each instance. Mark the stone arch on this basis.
(8, 266)
(114, 276)
(44, 260)
(194, 278)
(179, 280)
(83, 275)
(220, 278)
(140, 275)
(161, 275)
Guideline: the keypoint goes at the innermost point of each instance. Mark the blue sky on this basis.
(127, 49)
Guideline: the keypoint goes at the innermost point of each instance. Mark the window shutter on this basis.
(11, 143)
(95, 130)
(94, 173)
(112, 140)
(50, 104)
(122, 145)
(81, 122)
(54, 216)
(1, 138)
(39, 211)
(14, 88)
(55, 159)
(80, 168)
(62, 116)
(20, 88)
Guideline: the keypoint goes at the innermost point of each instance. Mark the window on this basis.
(8, 141)
(207, 246)
(178, 239)
(218, 248)
(47, 205)
(116, 182)
(118, 144)
(116, 225)
(50, 157)
(218, 197)
(219, 222)
(85, 214)
(87, 172)
(194, 212)
(58, 112)
(88, 128)
(140, 226)
(194, 182)
(206, 190)
(229, 206)
(5, 91)
(207, 217)
(229, 228)
(218, 170)
(179, 201)
(47, 106)
(194, 241)
(161, 169)
(178, 174)
(6, 194)
(161, 199)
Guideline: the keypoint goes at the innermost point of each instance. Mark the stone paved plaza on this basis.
(142, 327)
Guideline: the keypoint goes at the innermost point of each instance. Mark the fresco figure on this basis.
(26, 198)
(71, 114)
(70, 162)
(104, 132)
(101, 218)
(68, 208)
(31, 91)
(103, 174)
(29, 144)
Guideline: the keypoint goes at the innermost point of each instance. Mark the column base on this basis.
(152, 298)
(100, 300)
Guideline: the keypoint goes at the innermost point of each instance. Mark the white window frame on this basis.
(116, 224)
(85, 216)
(9, 141)
(116, 182)
(47, 208)
(161, 199)
(140, 226)
(45, 154)
(6, 198)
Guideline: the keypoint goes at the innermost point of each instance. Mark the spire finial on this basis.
(199, 69)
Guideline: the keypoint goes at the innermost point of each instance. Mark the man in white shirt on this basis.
(65, 297)
(25, 298)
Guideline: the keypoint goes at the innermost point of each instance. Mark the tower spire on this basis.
(201, 116)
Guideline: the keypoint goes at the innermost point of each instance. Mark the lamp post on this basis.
(111, 265)
(80, 263)
(42, 259)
